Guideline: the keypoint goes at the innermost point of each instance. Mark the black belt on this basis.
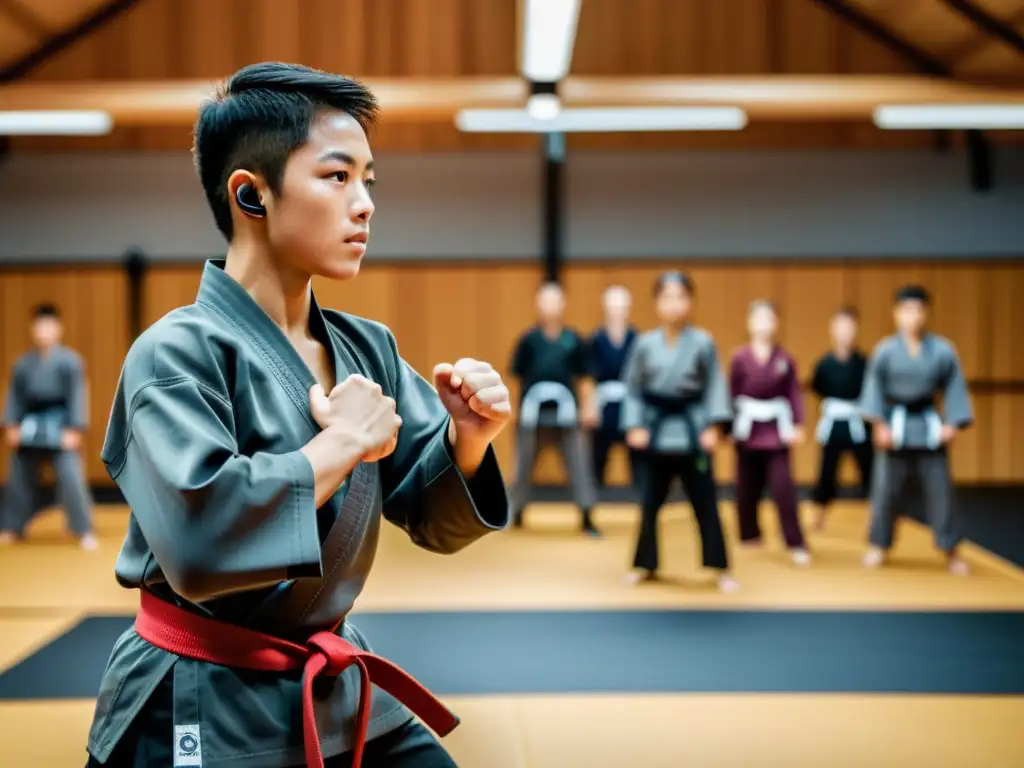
(668, 405)
(921, 405)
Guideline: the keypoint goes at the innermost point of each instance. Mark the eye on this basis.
(370, 183)
(340, 176)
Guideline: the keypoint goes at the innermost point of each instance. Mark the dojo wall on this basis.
(442, 310)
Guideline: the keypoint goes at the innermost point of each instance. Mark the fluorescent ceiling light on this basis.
(543, 106)
(603, 120)
(952, 116)
(55, 123)
(549, 33)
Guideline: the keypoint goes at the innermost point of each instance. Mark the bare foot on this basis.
(820, 518)
(801, 558)
(639, 576)
(874, 558)
(727, 583)
(89, 543)
(958, 566)
(752, 543)
(6, 537)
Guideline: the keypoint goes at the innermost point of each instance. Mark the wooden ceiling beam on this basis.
(768, 98)
(879, 32)
(61, 41)
(986, 23)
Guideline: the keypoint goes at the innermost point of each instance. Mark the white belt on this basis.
(548, 392)
(833, 410)
(749, 410)
(612, 391)
(898, 424)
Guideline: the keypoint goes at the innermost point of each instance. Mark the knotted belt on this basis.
(199, 638)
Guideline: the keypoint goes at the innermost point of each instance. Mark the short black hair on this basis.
(673, 277)
(847, 311)
(912, 293)
(260, 116)
(45, 311)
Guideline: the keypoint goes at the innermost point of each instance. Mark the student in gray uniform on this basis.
(676, 404)
(256, 498)
(44, 417)
(905, 374)
(550, 361)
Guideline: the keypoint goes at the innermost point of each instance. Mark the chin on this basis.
(343, 268)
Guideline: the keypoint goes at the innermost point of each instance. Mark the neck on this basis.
(762, 344)
(551, 327)
(841, 352)
(616, 328)
(913, 336)
(284, 294)
(673, 329)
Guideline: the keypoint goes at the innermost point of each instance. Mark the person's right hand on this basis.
(882, 434)
(638, 438)
(360, 410)
(13, 435)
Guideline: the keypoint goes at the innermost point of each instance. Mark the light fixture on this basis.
(603, 120)
(55, 123)
(908, 117)
(543, 106)
(549, 33)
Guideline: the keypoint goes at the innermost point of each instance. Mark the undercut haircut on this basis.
(913, 293)
(260, 116)
(673, 277)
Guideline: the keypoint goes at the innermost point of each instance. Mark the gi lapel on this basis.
(675, 371)
(225, 296)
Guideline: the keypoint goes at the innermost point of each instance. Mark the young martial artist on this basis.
(838, 380)
(769, 414)
(550, 361)
(676, 404)
(906, 372)
(609, 346)
(45, 415)
(257, 497)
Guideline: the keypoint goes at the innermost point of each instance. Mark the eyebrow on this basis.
(343, 157)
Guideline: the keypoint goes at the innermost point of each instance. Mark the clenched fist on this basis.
(359, 408)
(478, 401)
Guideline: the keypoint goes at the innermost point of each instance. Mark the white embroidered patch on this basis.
(188, 749)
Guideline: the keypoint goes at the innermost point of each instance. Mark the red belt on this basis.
(195, 637)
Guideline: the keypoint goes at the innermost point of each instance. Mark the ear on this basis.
(257, 194)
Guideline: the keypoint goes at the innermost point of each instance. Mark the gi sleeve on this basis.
(521, 358)
(14, 404)
(424, 492)
(634, 375)
(818, 379)
(872, 396)
(717, 403)
(794, 393)
(78, 410)
(215, 521)
(956, 400)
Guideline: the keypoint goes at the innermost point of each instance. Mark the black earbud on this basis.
(249, 202)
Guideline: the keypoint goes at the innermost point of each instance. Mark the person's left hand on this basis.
(797, 437)
(948, 433)
(478, 401)
(70, 439)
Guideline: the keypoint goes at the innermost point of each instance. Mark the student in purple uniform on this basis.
(768, 419)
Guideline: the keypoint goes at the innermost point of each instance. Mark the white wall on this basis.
(814, 204)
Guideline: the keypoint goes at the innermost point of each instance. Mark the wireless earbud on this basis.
(249, 201)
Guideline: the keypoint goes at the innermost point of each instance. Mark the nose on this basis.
(362, 205)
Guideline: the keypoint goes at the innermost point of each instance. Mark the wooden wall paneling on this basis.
(959, 311)
(1003, 291)
(92, 302)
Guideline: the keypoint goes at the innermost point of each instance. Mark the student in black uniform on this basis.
(609, 348)
(550, 361)
(838, 379)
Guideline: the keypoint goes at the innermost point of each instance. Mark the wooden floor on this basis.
(47, 585)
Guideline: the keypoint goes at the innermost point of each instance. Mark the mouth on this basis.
(360, 237)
